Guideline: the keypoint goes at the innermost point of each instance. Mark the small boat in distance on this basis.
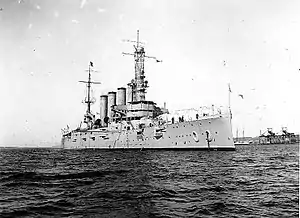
(240, 141)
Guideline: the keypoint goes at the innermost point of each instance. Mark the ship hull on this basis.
(210, 133)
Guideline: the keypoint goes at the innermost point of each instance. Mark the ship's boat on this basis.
(129, 121)
(241, 141)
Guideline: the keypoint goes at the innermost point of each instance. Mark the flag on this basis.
(229, 87)
(91, 63)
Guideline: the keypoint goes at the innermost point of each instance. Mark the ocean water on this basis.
(253, 181)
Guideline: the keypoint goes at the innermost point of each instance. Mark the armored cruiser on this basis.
(129, 121)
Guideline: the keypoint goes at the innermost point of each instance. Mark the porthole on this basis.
(195, 136)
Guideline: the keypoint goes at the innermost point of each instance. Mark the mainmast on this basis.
(139, 84)
(229, 107)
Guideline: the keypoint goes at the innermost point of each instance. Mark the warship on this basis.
(282, 137)
(128, 121)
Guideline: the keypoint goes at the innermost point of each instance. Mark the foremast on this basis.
(89, 118)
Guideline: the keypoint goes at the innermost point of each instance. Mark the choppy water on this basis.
(253, 181)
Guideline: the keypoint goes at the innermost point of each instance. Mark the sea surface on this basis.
(253, 181)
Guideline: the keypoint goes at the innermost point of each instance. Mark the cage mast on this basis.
(139, 84)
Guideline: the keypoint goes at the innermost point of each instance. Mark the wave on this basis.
(35, 176)
(244, 183)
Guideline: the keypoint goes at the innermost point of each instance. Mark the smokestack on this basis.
(103, 108)
(111, 102)
(129, 94)
(121, 96)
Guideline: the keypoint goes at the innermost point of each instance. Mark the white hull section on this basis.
(206, 133)
(242, 143)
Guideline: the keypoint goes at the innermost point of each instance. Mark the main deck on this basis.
(209, 133)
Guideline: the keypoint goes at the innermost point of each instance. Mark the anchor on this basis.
(208, 139)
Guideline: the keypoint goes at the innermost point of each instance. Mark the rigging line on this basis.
(120, 132)
(131, 124)
(127, 139)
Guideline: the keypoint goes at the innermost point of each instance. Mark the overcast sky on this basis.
(47, 45)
